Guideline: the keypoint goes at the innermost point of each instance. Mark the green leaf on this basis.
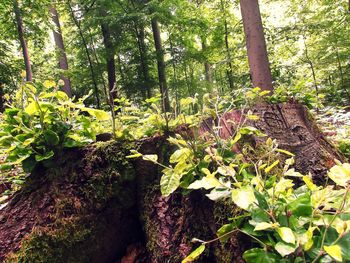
(100, 115)
(169, 182)
(51, 138)
(261, 200)
(286, 234)
(222, 233)
(258, 255)
(44, 156)
(135, 154)
(285, 152)
(284, 249)
(195, 254)
(264, 225)
(301, 206)
(334, 251)
(243, 197)
(307, 180)
(206, 183)
(29, 164)
(180, 155)
(150, 157)
(340, 174)
(31, 108)
(269, 168)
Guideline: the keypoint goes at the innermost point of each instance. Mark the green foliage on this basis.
(291, 224)
(41, 121)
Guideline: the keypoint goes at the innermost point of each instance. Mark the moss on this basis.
(67, 243)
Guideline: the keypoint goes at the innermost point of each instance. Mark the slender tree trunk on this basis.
(311, 64)
(109, 54)
(20, 29)
(62, 61)
(93, 77)
(256, 45)
(341, 74)
(140, 34)
(175, 77)
(161, 65)
(229, 70)
(94, 53)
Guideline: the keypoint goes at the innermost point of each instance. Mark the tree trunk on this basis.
(20, 29)
(140, 34)
(62, 61)
(161, 65)
(93, 77)
(256, 46)
(342, 74)
(229, 70)
(109, 54)
(311, 64)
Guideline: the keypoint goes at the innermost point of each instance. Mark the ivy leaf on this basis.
(195, 254)
(243, 197)
(260, 255)
(334, 251)
(286, 234)
(284, 249)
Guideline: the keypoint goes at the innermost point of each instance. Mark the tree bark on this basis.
(140, 34)
(256, 45)
(161, 65)
(62, 61)
(20, 30)
(109, 54)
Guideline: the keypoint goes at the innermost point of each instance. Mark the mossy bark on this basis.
(81, 210)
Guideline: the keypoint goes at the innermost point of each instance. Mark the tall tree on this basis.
(229, 71)
(161, 65)
(20, 29)
(109, 55)
(62, 59)
(256, 45)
